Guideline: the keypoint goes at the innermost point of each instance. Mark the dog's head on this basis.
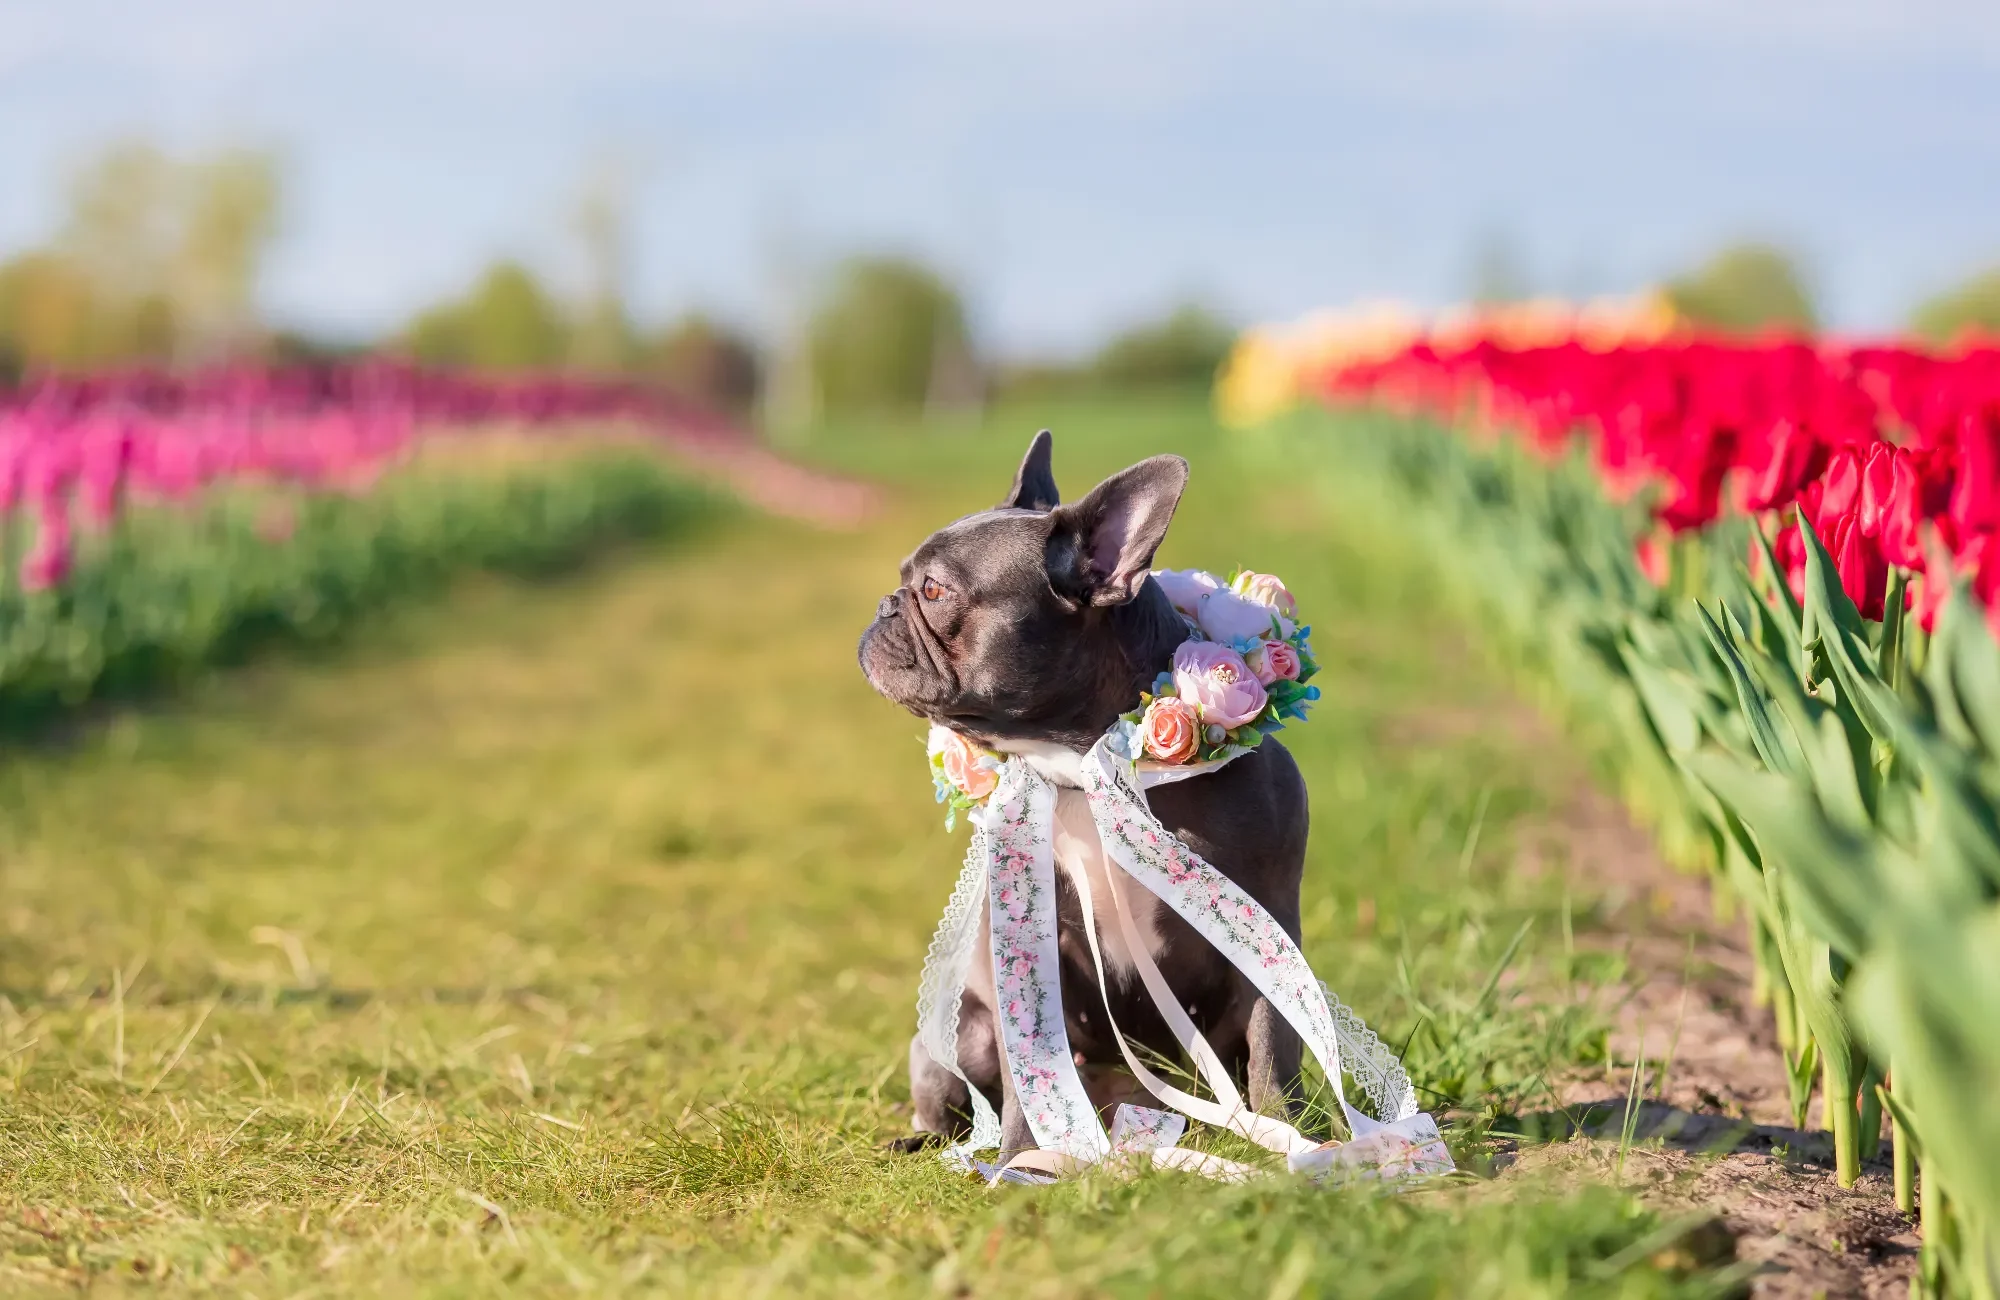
(1034, 620)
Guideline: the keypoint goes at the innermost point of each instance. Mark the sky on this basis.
(1076, 165)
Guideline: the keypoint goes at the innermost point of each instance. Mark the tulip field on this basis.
(152, 524)
(564, 936)
(1764, 579)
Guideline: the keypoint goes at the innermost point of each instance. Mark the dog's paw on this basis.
(915, 1142)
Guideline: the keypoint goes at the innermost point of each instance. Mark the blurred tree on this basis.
(889, 334)
(788, 404)
(507, 322)
(702, 361)
(143, 328)
(287, 347)
(230, 216)
(1744, 288)
(1971, 308)
(122, 222)
(1181, 351)
(48, 311)
(603, 339)
(154, 259)
(439, 335)
(1042, 379)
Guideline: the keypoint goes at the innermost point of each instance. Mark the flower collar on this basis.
(1239, 676)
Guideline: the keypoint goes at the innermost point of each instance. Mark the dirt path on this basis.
(1714, 1132)
(771, 481)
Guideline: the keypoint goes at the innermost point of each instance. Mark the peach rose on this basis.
(1170, 731)
(1265, 590)
(1214, 679)
(1274, 661)
(971, 770)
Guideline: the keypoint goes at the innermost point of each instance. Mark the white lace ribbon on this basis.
(1011, 860)
(941, 991)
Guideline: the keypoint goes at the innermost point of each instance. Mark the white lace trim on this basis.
(1370, 1063)
(941, 990)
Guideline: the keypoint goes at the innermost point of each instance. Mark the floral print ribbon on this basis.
(1027, 968)
(1012, 862)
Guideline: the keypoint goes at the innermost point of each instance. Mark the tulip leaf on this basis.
(1763, 730)
(1906, 1122)
(1787, 618)
(1964, 672)
(1667, 702)
(1832, 865)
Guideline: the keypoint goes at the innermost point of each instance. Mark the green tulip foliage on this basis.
(1840, 777)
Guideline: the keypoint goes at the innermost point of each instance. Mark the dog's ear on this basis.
(1034, 483)
(1100, 549)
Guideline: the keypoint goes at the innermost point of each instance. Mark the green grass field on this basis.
(564, 938)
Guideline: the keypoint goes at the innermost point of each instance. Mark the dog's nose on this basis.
(890, 604)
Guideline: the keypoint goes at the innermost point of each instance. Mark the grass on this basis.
(565, 938)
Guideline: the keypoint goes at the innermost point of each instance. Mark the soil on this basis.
(771, 481)
(1714, 1129)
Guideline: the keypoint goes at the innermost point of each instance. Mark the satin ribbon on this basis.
(1011, 861)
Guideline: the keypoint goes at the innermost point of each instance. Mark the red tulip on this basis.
(1877, 484)
(1975, 497)
(1928, 592)
(1652, 558)
(1900, 512)
(1864, 574)
(1789, 465)
(1842, 493)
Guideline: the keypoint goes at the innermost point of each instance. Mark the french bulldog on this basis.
(1029, 628)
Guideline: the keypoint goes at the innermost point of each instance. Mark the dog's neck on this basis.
(1057, 764)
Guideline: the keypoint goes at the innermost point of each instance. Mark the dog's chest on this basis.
(1080, 854)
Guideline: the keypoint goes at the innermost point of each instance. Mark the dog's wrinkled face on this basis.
(1033, 619)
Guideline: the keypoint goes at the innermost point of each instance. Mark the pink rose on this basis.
(1214, 679)
(1227, 617)
(1265, 590)
(972, 771)
(1274, 661)
(1186, 587)
(1170, 732)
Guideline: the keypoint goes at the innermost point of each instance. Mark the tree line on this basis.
(157, 259)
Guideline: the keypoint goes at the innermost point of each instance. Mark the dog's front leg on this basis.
(1275, 1052)
(1015, 1135)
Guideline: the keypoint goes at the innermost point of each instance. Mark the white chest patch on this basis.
(1080, 853)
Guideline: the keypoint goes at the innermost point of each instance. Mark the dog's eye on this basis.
(932, 589)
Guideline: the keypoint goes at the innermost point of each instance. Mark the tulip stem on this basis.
(1838, 1098)
(1906, 1167)
(1892, 653)
(1868, 1132)
(1934, 1218)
